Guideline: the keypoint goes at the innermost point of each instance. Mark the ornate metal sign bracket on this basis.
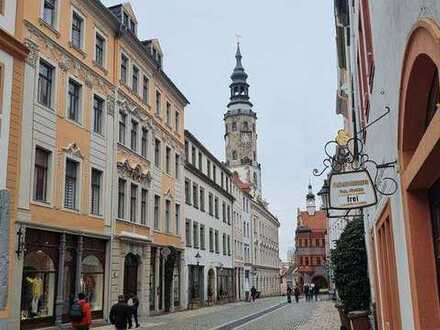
(341, 157)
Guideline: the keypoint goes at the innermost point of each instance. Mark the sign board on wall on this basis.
(351, 190)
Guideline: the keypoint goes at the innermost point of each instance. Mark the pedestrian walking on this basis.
(80, 313)
(289, 294)
(296, 293)
(306, 291)
(133, 303)
(253, 293)
(120, 314)
(316, 291)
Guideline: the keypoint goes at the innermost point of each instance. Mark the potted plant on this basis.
(350, 264)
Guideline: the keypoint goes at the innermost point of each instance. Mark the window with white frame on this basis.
(157, 153)
(158, 102)
(144, 142)
(41, 174)
(135, 79)
(176, 166)
(45, 83)
(74, 99)
(168, 160)
(145, 90)
(195, 235)
(168, 216)
(156, 211)
(124, 69)
(133, 202)
(96, 184)
(100, 49)
(122, 126)
(177, 218)
(168, 117)
(188, 232)
(98, 110)
(144, 206)
(134, 135)
(77, 37)
(71, 184)
(177, 121)
(202, 237)
(50, 12)
(202, 199)
(121, 198)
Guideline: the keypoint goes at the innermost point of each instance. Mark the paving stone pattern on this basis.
(325, 317)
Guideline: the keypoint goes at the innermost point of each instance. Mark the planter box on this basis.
(345, 322)
(359, 320)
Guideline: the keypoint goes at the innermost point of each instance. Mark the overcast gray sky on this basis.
(289, 54)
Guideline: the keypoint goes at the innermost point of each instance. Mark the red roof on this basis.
(242, 185)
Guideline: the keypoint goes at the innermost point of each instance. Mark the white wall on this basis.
(391, 23)
(7, 21)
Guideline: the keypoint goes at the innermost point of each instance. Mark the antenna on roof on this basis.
(238, 36)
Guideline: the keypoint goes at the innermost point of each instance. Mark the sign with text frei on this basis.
(351, 190)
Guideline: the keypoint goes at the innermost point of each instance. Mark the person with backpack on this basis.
(81, 313)
(120, 314)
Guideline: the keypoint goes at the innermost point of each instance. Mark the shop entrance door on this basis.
(130, 275)
(434, 201)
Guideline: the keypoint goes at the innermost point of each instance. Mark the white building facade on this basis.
(208, 213)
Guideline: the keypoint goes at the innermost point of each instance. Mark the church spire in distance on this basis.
(239, 86)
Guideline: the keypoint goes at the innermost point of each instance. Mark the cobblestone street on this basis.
(301, 316)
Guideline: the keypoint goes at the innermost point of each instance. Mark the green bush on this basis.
(350, 266)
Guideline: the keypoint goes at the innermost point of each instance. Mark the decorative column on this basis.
(172, 294)
(4, 247)
(59, 304)
(79, 255)
(162, 292)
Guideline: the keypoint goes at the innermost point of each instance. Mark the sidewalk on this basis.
(325, 317)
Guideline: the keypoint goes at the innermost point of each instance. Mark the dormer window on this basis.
(126, 20)
(132, 27)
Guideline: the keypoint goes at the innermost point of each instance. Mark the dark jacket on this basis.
(120, 315)
(289, 291)
(253, 291)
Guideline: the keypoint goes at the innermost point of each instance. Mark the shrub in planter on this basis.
(350, 264)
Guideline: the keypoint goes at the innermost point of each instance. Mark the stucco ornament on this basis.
(135, 173)
(34, 50)
(74, 150)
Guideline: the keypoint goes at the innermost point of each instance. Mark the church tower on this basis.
(241, 131)
(310, 201)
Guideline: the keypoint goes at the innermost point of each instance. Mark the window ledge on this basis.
(96, 216)
(101, 67)
(74, 211)
(78, 50)
(47, 204)
(49, 27)
(73, 122)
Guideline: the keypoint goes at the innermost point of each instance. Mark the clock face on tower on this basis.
(246, 137)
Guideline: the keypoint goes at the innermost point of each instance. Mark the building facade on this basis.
(394, 57)
(12, 62)
(98, 201)
(310, 244)
(209, 211)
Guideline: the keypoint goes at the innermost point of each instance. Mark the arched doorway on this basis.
(419, 156)
(320, 281)
(131, 265)
(211, 285)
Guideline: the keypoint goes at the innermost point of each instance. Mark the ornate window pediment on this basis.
(74, 150)
(136, 173)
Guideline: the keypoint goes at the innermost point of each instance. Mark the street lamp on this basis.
(198, 257)
(324, 194)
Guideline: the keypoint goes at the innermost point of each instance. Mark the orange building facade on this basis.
(96, 155)
(310, 244)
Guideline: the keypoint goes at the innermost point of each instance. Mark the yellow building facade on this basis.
(99, 172)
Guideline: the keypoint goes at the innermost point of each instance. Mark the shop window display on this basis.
(38, 286)
(92, 282)
(176, 285)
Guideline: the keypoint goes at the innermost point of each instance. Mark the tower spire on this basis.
(239, 86)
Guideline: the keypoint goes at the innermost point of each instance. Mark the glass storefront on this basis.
(92, 282)
(225, 283)
(38, 287)
(41, 277)
(176, 284)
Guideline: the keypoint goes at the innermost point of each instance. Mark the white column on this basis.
(156, 279)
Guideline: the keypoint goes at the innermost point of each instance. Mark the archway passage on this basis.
(320, 281)
(131, 265)
(419, 156)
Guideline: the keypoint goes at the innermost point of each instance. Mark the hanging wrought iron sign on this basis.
(354, 179)
(351, 190)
